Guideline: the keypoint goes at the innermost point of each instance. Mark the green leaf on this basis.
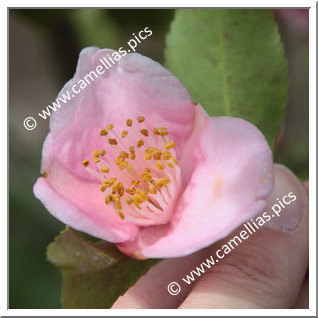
(232, 62)
(94, 274)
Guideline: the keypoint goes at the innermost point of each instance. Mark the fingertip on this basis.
(288, 202)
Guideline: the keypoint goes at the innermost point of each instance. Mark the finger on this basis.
(151, 290)
(268, 269)
(302, 301)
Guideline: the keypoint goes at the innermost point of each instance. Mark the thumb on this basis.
(268, 269)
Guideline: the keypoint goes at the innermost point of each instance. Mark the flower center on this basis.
(138, 171)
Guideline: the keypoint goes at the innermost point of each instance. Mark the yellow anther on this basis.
(166, 155)
(144, 132)
(150, 150)
(160, 165)
(129, 200)
(161, 182)
(85, 163)
(96, 160)
(140, 143)
(112, 141)
(174, 160)
(121, 191)
(124, 154)
(129, 122)
(106, 183)
(103, 187)
(170, 164)
(131, 191)
(122, 165)
(104, 169)
(132, 149)
(130, 169)
(140, 119)
(119, 209)
(146, 176)
(132, 156)
(169, 144)
(111, 181)
(147, 156)
(137, 200)
(162, 131)
(124, 133)
(116, 186)
(116, 200)
(152, 189)
(108, 198)
(142, 194)
(135, 183)
(103, 132)
(109, 127)
(157, 155)
(96, 153)
(103, 153)
(147, 170)
(118, 160)
(121, 214)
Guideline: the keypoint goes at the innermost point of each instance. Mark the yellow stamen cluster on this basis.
(143, 186)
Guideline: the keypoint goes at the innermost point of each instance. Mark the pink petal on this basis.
(232, 178)
(134, 86)
(79, 203)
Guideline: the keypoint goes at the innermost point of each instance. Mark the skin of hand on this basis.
(269, 270)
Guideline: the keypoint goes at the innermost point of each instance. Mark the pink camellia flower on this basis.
(132, 160)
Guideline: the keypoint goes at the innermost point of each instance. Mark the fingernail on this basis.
(288, 201)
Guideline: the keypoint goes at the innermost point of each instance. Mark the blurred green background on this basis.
(43, 49)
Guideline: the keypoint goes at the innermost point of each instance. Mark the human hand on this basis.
(267, 271)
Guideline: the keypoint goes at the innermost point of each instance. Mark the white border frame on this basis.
(312, 162)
